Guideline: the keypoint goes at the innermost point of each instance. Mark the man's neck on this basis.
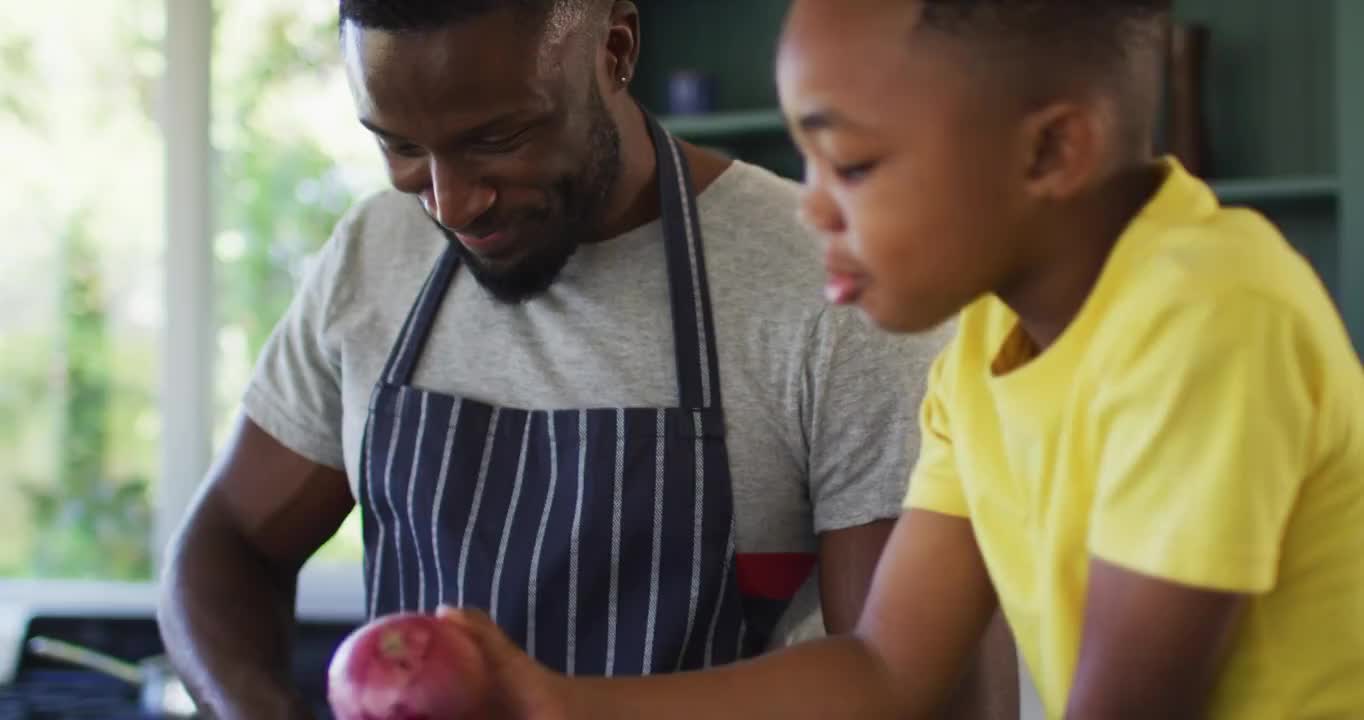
(634, 200)
(1063, 272)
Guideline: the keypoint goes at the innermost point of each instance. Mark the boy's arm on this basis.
(1203, 454)
(1151, 648)
(930, 602)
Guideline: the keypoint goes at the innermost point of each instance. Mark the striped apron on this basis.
(601, 540)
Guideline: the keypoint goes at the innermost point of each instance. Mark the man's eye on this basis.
(404, 149)
(506, 143)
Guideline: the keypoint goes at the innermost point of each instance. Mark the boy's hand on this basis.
(930, 604)
(520, 687)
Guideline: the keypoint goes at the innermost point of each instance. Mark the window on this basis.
(293, 159)
(80, 262)
(81, 273)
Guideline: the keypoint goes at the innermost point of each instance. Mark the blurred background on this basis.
(98, 101)
(169, 165)
(84, 200)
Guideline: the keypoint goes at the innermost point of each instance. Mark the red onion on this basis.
(406, 666)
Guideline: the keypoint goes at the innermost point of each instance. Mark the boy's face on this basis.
(914, 164)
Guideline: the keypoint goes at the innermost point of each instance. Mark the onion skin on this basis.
(406, 666)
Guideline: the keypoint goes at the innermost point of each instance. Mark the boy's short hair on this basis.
(1096, 28)
(1053, 11)
(1038, 46)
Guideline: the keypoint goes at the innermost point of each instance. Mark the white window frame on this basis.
(187, 351)
(189, 342)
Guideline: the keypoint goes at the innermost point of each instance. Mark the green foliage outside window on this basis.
(79, 264)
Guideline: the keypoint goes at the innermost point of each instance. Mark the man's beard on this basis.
(581, 201)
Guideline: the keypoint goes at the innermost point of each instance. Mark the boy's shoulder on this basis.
(1229, 251)
(1185, 263)
(1231, 265)
(1212, 289)
(1186, 254)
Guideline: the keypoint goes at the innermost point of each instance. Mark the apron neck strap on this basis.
(698, 368)
(402, 360)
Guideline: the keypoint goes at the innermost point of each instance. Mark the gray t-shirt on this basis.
(819, 406)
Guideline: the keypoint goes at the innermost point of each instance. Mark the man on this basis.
(574, 372)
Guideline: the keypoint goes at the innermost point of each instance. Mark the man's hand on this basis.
(227, 594)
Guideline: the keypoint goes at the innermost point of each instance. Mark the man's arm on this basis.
(1151, 648)
(929, 605)
(227, 604)
(847, 563)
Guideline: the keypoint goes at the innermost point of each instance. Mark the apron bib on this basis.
(601, 540)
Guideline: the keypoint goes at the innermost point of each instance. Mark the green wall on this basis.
(1284, 86)
(1270, 85)
(735, 42)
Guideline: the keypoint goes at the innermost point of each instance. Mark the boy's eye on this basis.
(854, 172)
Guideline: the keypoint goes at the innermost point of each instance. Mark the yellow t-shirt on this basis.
(1202, 421)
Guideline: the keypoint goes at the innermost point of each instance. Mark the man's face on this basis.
(908, 173)
(502, 133)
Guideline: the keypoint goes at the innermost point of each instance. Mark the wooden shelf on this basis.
(711, 126)
(1257, 191)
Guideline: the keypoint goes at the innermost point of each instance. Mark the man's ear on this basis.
(622, 44)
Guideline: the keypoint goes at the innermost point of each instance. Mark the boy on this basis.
(1146, 443)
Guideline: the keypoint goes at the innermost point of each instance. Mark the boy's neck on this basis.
(1048, 293)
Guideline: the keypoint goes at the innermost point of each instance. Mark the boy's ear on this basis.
(1063, 143)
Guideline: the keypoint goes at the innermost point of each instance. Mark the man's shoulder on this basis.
(379, 219)
(753, 237)
(385, 233)
(749, 201)
(755, 182)
(376, 249)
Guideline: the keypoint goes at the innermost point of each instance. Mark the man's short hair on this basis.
(423, 15)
